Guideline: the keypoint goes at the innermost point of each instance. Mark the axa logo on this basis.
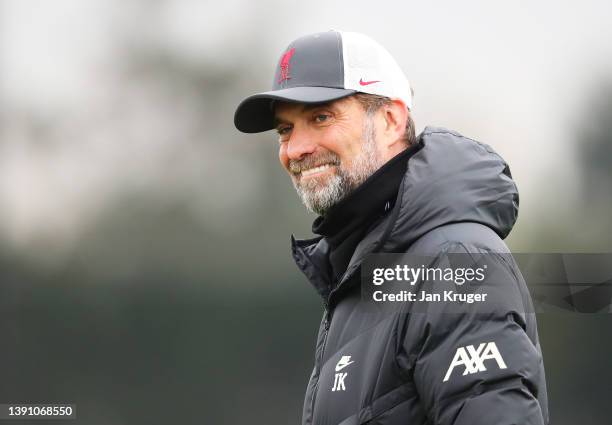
(339, 377)
(473, 359)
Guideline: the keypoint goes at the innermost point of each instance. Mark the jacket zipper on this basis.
(319, 365)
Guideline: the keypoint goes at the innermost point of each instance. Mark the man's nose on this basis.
(300, 144)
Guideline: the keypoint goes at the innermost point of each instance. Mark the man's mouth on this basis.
(315, 170)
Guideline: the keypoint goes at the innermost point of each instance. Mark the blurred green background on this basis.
(144, 242)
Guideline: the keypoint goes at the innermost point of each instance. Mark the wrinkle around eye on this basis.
(283, 130)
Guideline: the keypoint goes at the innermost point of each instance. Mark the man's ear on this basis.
(396, 118)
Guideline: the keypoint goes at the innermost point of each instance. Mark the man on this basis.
(341, 106)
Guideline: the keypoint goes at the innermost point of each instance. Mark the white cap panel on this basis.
(370, 68)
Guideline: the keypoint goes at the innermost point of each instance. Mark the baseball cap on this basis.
(322, 67)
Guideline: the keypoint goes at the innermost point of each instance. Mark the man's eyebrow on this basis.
(278, 121)
(305, 107)
(308, 107)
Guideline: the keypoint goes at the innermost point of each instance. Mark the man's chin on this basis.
(313, 186)
(317, 205)
(321, 196)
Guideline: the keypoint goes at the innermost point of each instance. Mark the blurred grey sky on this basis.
(82, 121)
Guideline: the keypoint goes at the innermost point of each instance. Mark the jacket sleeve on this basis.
(482, 365)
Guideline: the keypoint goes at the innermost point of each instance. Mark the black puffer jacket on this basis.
(457, 196)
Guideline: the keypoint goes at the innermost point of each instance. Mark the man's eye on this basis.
(283, 130)
(321, 117)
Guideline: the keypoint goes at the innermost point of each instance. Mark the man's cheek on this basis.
(282, 151)
(282, 157)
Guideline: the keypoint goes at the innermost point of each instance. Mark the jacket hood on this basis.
(451, 179)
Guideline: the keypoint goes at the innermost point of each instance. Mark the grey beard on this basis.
(319, 199)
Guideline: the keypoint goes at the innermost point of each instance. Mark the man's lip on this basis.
(316, 170)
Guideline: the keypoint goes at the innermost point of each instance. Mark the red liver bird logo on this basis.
(284, 65)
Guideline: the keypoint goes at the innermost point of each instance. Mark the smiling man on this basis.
(342, 108)
(336, 146)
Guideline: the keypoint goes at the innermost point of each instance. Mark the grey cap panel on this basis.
(255, 113)
(310, 70)
(316, 60)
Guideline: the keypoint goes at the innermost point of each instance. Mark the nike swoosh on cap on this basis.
(367, 83)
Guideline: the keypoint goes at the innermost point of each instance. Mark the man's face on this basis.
(327, 149)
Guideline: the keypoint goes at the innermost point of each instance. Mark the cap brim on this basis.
(255, 113)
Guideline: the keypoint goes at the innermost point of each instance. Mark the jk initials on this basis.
(339, 382)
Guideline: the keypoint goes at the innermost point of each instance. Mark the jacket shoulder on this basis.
(434, 340)
(470, 236)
